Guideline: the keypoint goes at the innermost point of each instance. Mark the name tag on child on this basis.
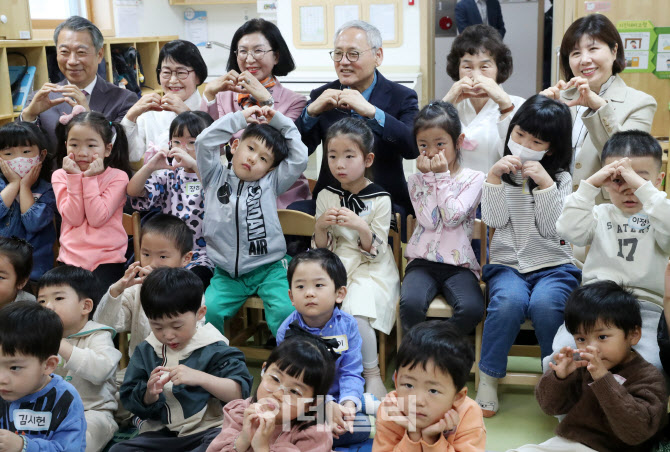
(342, 342)
(193, 188)
(29, 420)
(366, 210)
(524, 187)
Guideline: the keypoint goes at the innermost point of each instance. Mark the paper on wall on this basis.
(195, 28)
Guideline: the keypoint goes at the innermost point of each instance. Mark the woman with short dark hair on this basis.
(479, 62)
(258, 55)
(180, 70)
(591, 57)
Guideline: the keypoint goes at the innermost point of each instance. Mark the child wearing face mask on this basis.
(28, 201)
(531, 273)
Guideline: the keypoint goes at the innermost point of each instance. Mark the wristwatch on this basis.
(267, 103)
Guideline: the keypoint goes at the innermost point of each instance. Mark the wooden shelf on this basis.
(148, 48)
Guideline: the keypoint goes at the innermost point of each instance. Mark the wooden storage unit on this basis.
(35, 51)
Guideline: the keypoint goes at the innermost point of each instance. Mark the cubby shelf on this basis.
(35, 51)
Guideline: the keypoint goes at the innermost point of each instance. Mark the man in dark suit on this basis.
(79, 51)
(361, 90)
(472, 12)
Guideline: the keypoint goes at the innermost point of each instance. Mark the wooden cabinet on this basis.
(35, 50)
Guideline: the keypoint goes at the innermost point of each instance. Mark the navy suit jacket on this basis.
(106, 98)
(397, 142)
(467, 14)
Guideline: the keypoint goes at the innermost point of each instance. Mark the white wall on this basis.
(521, 37)
(158, 18)
(407, 55)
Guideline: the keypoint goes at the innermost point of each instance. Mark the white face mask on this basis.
(23, 165)
(523, 152)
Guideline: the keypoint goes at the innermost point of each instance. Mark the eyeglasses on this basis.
(257, 54)
(272, 384)
(182, 74)
(352, 55)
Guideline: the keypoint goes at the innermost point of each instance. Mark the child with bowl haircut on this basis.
(318, 282)
(88, 357)
(39, 411)
(180, 377)
(430, 409)
(613, 399)
(165, 241)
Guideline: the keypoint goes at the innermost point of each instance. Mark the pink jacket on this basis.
(287, 102)
(445, 209)
(311, 439)
(470, 434)
(92, 209)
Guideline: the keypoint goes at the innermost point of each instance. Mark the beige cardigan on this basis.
(626, 109)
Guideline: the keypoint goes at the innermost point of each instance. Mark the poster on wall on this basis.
(662, 52)
(638, 37)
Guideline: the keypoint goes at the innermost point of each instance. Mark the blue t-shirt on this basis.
(348, 382)
(52, 419)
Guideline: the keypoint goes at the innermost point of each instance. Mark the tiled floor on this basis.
(519, 421)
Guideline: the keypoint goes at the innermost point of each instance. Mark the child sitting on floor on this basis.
(613, 399)
(629, 239)
(39, 411)
(179, 378)
(318, 282)
(430, 408)
(281, 414)
(165, 241)
(88, 357)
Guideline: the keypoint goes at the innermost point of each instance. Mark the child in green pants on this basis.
(241, 227)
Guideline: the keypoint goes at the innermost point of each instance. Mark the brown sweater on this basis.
(605, 415)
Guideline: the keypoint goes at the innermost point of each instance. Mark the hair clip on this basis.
(296, 330)
(66, 118)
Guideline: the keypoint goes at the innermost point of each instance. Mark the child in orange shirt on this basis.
(430, 409)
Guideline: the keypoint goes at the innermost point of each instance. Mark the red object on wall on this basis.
(446, 23)
(410, 2)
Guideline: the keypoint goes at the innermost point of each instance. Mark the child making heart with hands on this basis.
(170, 181)
(531, 273)
(279, 416)
(611, 397)
(353, 221)
(90, 193)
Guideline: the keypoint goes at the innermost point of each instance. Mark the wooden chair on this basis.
(131, 224)
(382, 339)
(439, 307)
(251, 313)
(312, 184)
(529, 351)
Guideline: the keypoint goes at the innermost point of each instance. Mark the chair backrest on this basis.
(296, 223)
(312, 184)
(396, 246)
(131, 224)
(478, 232)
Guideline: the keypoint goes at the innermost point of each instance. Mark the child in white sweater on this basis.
(630, 238)
(88, 359)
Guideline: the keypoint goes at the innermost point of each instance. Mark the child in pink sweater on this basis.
(295, 378)
(445, 198)
(90, 194)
